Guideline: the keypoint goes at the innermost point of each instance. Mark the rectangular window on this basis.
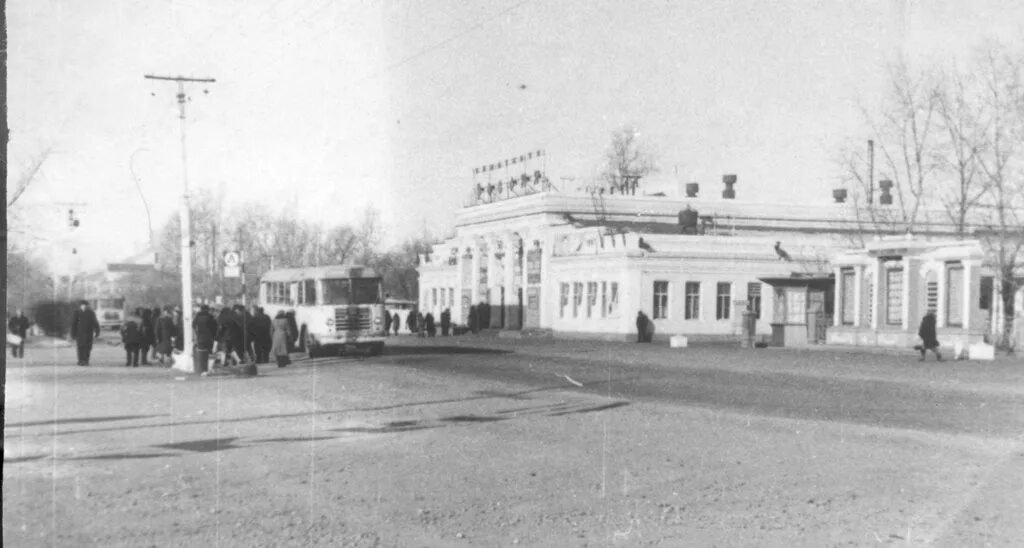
(563, 299)
(796, 306)
(310, 292)
(754, 298)
(613, 299)
(849, 293)
(577, 298)
(433, 297)
(954, 295)
(723, 300)
(985, 293)
(894, 296)
(604, 299)
(660, 300)
(692, 301)
(451, 296)
(591, 298)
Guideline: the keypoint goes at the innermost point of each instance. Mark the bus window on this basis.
(336, 291)
(310, 292)
(365, 291)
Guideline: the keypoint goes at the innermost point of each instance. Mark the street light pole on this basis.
(186, 235)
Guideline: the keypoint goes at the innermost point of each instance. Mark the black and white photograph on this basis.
(539, 273)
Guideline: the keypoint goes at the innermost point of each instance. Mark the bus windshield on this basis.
(111, 303)
(351, 291)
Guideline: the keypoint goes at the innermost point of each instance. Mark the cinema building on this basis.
(583, 264)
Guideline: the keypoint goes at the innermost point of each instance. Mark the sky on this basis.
(323, 108)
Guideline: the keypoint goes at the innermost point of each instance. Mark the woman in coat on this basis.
(929, 340)
(148, 336)
(282, 334)
(165, 331)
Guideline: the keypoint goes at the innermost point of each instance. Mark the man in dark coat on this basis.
(428, 324)
(204, 326)
(18, 325)
(84, 328)
(387, 323)
(229, 333)
(165, 333)
(929, 340)
(131, 338)
(248, 332)
(396, 323)
(410, 321)
(446, 321)
(643, 333)
(262, 335)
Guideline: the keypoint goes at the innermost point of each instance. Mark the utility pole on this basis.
(186, 236)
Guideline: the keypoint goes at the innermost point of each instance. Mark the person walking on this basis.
(154, 338)
(420, 328)
(264, 334)
(248, 331)
(84, 328)
(146, 332)
(929, 341)
(410, 321)
(131, 338)
(396, 323)
(643, 333)
(282, 334)
(446, 321)
(204, 327)
(428, 323)
(229, 336)
(18, 325)
(387, 323)
(179, 330)
(165, 330)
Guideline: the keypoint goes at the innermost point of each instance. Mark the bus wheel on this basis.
(375, 349)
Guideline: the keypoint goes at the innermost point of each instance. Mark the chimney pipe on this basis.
(729, 193)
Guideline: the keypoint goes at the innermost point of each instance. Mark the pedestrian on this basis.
(396, 322)
(148, 338)
(420, 320)
(928, 337)
(131, 338)
(179, 330)
(165, 330)
(410, 321)
(18, 325)
(473, 326)
(428, 323)
(643, 333)
(264, 334)
(282, 334)
(446, 321)
(154, 337)
(228, 336)
(84, 328)
(387, 323)
(204, 327)
(248, 332)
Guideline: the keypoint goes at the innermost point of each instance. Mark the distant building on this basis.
(584, 264)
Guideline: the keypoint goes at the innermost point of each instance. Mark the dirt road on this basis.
(486, 442)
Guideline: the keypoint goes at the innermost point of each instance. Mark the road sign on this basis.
(232, 259)
(232, 271)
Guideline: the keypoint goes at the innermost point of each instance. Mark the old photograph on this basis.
(552, 273)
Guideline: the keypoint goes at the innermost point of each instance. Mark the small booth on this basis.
(803, 309)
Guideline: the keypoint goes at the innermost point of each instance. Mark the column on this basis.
(858, 292)
(878, 298)
(940, 306)
(840, 304)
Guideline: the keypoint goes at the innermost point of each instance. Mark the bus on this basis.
(336, 307)
(109, 311)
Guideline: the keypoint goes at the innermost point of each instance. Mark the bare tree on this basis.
(958, 155)
(626, 158)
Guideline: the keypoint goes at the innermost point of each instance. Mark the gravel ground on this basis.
(392, 452)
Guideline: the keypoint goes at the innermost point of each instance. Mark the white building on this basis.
(584, 265)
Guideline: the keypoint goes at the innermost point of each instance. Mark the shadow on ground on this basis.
(80, 420)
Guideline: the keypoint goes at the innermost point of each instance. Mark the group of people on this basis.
(159, 331)
(424, 325)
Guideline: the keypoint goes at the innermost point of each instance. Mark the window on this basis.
(613, 299)
(954, 295)
(310, 291)
(692, 301)
(985, 293)
(848, 290)
(604, 299)
(336, 291)
(796, 306)
(754, 298)
(563, 299)
(660, 300)
(723, 299)
(451, 296)
(894, 296)
(577, 298)
(591, 298)
(433, 297)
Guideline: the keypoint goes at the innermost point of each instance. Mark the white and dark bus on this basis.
(336, 307)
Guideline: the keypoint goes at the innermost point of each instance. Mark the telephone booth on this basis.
(802, 309)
